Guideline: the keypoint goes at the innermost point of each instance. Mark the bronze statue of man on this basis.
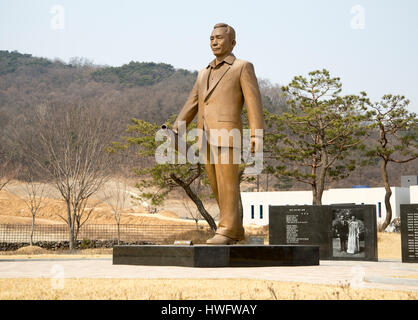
(217, 99)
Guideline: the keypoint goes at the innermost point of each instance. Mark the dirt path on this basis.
(5, 219)
(13, 209)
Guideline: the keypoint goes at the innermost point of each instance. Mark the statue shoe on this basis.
(220, 239)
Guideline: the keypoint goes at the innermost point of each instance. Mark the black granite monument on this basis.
(343, 232)
(409, 232)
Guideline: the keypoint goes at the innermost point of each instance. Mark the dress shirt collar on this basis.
(228, 59)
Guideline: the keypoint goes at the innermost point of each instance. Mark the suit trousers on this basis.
(224, 181)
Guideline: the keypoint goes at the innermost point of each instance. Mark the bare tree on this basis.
(191, 212)
(117, 197)
(83, 214)
(7, 170)
(68, 143)
(35, 201)
(6, 175)
(34, 197)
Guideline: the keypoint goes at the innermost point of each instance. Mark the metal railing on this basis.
(16, 233)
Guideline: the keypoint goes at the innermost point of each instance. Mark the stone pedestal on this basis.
(217, 256)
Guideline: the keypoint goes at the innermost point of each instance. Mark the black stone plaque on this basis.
(342, 232)
(217, 256)
(300, 225)
(409, 232)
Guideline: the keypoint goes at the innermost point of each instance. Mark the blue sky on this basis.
(378, 54)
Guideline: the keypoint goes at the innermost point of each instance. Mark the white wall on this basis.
(413, 194)
(402, 196)
(372, 196)
(265, 199)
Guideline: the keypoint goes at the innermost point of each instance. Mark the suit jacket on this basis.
(342, 229)
(219, 106)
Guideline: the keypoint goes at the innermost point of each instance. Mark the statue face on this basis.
(221, 43)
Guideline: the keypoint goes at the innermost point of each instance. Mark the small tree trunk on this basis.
(71, 236)
(196, 201)
(202, 209)
(320, 186)
(267, 182)
(77, 227)
(314, 186)
(258, 183)
(316, 198)
(388, 194)
(118, 233)
(32, 230)
(70, 224)
(319, 191)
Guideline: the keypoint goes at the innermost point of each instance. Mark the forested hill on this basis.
(146, 90)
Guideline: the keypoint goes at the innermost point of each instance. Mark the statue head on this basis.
(222, 40)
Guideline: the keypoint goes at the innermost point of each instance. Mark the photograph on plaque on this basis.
(354, 232)
(348, 233)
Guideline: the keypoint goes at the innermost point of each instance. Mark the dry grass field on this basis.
(185, 289)
(13, 210)
(389, 245)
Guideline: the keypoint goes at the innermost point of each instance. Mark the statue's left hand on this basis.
(255, 144)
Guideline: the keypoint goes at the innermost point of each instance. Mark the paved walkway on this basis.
(390, 275)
